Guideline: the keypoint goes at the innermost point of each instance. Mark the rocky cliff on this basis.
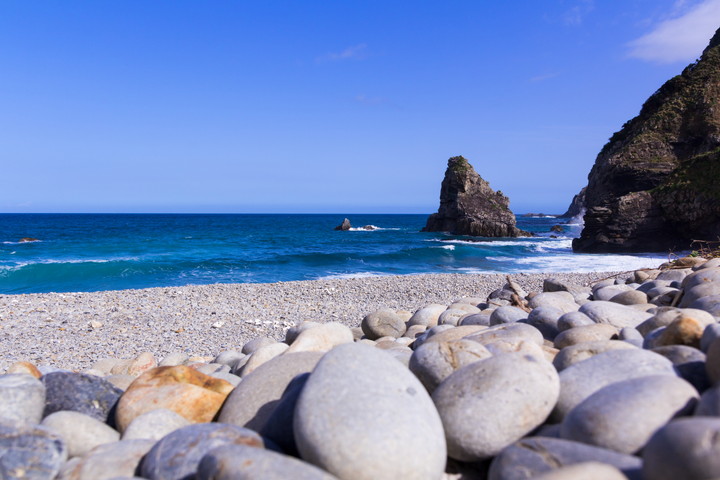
(655, 186)
(468, 206)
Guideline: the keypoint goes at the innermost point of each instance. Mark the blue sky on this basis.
(337, 107)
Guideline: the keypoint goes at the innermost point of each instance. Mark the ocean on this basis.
(92, 252)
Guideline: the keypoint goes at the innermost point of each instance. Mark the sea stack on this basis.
(468, 206)
(655, 186)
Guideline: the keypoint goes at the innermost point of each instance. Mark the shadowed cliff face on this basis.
(468, 206)
(655, 186)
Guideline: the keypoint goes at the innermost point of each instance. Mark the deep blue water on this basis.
(90, 252)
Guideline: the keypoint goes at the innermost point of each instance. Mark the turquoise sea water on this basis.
(91, 252)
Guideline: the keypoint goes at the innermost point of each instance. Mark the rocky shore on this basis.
(561, 376)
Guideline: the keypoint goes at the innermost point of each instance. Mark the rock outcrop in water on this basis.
(577, 205)
(655, 186)
(468, 206)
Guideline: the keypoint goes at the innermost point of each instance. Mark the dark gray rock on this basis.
(533, 456)
(30, 453)
(545, 318)
(709, 335)
(709, 403)
(279, 425)
(468, 206)
(239, 462)
(81, 393)
(686, 448)
(689, 363)
(178, 454)
(344, 226)
(710, 304)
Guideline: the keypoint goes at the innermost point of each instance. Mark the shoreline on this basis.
(74, 330)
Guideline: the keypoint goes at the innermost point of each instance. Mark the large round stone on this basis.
(622, 416)
(686, 448)
(178, 454)
(154, 425)
(487, 405)
(321, 338)
(582, 379)
(507, 314)
(533, 456)
(192, 394)
(617, 315)
(110, 461)
(573, 354)
(81, 393)
(22, 400)
(508, 332)
(382, 323)
(363, 415)
(80, 432)
(427, 315)
(433, 362)
(584, 471)
(255, 398)
(586, 333)
(240, 462)
(30, 453)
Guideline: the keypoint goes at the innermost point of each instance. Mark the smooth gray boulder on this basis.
(363, 415)
(239, 462)
(585, 333)
(573, 319)
(427, 315)
(614, 314)
(545, 318)
(154, 425)
(563, 301)
(108, 461)
(623, 415)
(533, 456)
(686, 448)
(31, 452)
(433, 362)
(80, 432)
(22, 400)
(487, 405)
(507, 314)
(709, 403)
(573, 354)
(381, 323)
(252, 402)
(631, 297)
(582, 379)
(508, 332)
(710, 304)
(256, 344)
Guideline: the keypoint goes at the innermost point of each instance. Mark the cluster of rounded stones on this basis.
(621, 380)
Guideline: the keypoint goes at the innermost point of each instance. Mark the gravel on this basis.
(73, 330)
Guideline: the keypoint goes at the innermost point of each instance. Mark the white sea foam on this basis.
(333, 276)
(21, 265)
(373, 228)
(589, 262)
(446, 247)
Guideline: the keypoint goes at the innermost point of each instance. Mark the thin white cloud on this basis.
(576, 15)
(679, 39)
(356, 52)
(542, 78)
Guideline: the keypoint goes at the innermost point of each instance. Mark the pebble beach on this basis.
(73, 330)
(609, 375)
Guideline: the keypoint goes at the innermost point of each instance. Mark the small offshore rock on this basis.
(685, 448)
(154, 425)
(533, 456)
(517, 390)
(239, 462)
(81, 433)
(344, 226)
(359, 399)
(22, 400)
(177, 455)
(81, 393)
